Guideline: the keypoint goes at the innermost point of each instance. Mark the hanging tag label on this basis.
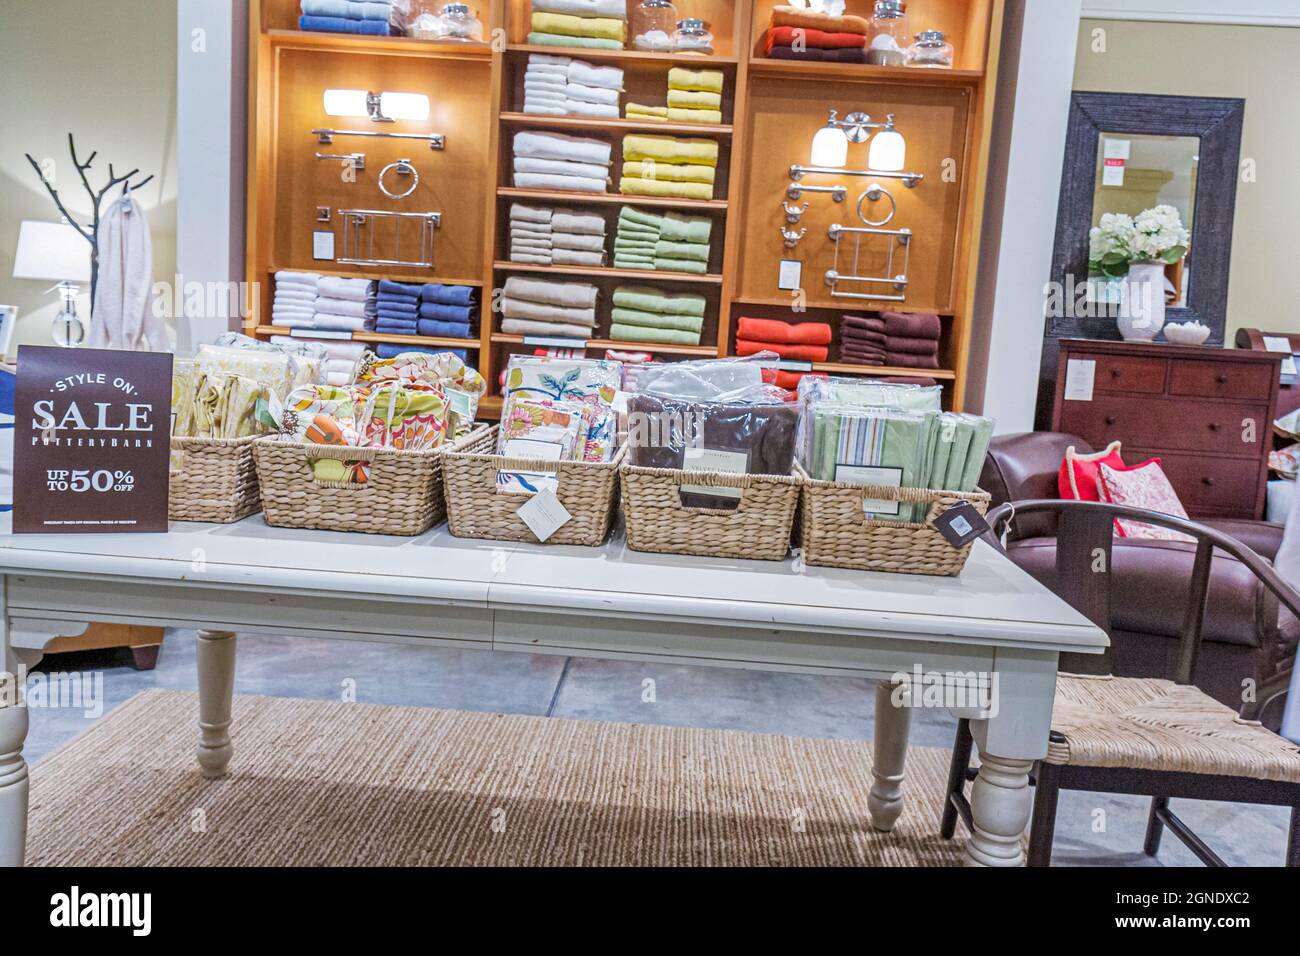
(322, 245)
(1079, 377)
(555, 343)
(791, 365)
(459, 401)
(544, 514)
(789, 274)
(961, 524)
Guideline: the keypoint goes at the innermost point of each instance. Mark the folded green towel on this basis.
(656, 320)
(631, 262)
(640, 217)
(681, 265)
(696, 251)
(627, 231)
(651, 299)
(641, 333)
(678, 228)
(555, 39)
(633, 245)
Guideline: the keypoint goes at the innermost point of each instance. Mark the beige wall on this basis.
(106, 72)
(1258, 64)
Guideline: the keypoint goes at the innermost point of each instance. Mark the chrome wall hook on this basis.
(791, 238)
(793, 213)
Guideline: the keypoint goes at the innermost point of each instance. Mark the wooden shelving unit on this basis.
(770, 110)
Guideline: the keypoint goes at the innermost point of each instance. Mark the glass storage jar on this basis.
(930, 51)
(652, 25)
(460, 23)
(889, 34)
(692, 36)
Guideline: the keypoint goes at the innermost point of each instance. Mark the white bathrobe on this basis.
(122, 316)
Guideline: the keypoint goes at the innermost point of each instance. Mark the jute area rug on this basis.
(321, 783)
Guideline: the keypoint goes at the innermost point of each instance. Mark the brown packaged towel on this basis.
(917, 325)
(912, 346)
(765, 434)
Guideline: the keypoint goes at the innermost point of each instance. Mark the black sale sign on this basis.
(91, 440)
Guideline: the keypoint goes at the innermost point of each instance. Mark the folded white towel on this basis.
(294, 297)
(341, 306)
(305, 278)
(549, 181)
(547, 69)
(570, 220)
(532, 228)
(541, 312)
(294, 321)
(295, 290)
(579, 108)
(580, 295)
(521, 213)
(591, 94)
(607, 77)
(532, 239)
(548, 59)
(559, 146)
(337, 287)
(339, 323)
(574, 240)
(537, 109)
(530, 257)
(552, 81)
(575, 257)
(550, 329)
(298, 306)
(616, 9)
(559, 167)
(544, 98)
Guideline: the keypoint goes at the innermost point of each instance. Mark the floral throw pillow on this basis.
(1143, 487)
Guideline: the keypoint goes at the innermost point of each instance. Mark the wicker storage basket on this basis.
(402, 494)
(759, 527)
(216, 480)
(834, 531)
(588, 490)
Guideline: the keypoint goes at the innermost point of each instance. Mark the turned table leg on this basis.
(1000, 805)
(13, 773)
(216, 657)
(893, 725)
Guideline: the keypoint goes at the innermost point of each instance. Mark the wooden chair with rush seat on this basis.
(1139, 735)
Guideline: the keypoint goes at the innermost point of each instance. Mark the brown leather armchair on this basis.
(1241, 639)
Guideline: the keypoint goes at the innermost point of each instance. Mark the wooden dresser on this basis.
(1207, 413)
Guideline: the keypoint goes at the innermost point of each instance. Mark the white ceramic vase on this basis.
(1142, 302)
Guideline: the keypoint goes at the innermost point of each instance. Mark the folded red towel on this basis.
(778, 330)
(897, 343)
(816, 39)
(917, 325)
(802, 353)
(904, 360)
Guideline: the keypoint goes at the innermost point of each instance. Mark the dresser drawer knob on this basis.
(1208, 482)
(1115, 372)
(1111, 419)
(1214, 426)
(1221, 378)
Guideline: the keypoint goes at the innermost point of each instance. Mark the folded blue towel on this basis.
(398, 288)
(447, 313)
(388, 350)
(396, 328)
(398, 311)
(398, 297)
(374, 28)
(448, 294)
(444, 330)
(350, 9)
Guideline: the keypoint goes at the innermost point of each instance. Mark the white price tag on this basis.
(714, 459)
(872, 475)
(544, 514)
(1079, 377)
(550, 342)
(322, 246)
(789, 274)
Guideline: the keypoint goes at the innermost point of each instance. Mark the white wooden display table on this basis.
(605, 602)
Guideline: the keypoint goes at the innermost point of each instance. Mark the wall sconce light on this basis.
(379, 107)
(830, 149)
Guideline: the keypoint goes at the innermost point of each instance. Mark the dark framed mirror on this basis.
(1129, 155)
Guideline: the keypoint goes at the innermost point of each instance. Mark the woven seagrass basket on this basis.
(216, 480)
(402, 494)
(475, 509)
(835, 532)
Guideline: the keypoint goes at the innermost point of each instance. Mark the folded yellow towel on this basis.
(669, 171)
(670, 149)
(637, 111)
(632, 186)
(676, 115)
(600, 28)
(691, 100)
(705, 81)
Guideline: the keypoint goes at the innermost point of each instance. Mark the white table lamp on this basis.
(56, 252)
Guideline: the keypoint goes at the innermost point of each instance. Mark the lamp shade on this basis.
(404, 106)
(830, 147)
(345, 103)
(52, 252)
(888, 151)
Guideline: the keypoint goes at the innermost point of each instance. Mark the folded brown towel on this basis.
(870, 323)
(852, 355)
(905, 360)
(857, 335)
(860, 360)
(918, 325)
(912, 346)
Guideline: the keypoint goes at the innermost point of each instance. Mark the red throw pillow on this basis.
(1143, 486)
(1078, 479)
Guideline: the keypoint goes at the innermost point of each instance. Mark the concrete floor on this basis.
(1092, 829)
